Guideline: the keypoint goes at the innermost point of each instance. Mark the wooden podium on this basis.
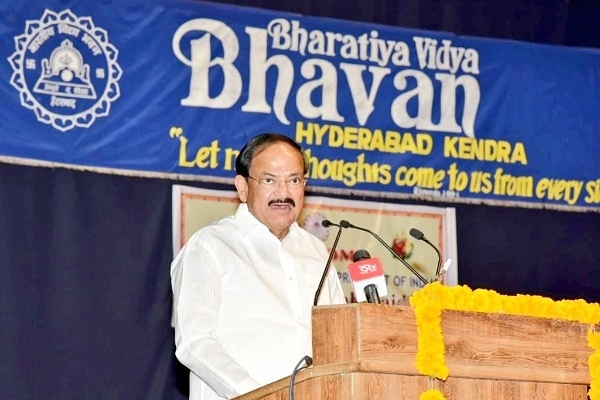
(367, 351)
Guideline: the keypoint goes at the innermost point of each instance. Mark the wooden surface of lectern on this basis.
(367, 351)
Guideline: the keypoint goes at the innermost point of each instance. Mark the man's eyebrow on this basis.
(275, 175)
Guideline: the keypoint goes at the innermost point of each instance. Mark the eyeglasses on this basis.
(268, 182)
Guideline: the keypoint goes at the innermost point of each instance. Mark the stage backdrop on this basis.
(391, 222)
(173, 88)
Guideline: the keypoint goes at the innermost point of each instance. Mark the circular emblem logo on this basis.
(65, 70)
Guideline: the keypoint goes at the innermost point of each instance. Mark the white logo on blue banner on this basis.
(65, 70)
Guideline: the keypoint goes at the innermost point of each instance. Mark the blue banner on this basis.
(174, 88)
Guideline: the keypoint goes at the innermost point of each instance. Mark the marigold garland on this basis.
(430, 300)
(431, 394)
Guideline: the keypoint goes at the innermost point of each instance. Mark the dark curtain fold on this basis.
(558, 22)
(85, 289)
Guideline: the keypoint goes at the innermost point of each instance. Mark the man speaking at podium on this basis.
(243, 286)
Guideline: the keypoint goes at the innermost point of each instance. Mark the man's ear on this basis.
(241, 185)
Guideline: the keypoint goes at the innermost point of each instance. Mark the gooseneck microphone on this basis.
(417, 234)
(346, 224)
(307, 361)
(326, 223)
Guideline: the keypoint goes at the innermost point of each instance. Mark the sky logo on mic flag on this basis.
(365, 272)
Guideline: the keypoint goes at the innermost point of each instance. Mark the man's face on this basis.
(279, 204)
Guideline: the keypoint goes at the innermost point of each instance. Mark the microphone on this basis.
(326, 223)
(307, 361)
(367, 277)
(346, 224)
(417, 234)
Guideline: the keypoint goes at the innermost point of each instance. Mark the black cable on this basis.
(307, 360)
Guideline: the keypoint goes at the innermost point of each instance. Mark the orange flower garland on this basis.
(429, 302)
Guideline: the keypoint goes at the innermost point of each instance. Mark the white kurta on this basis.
(242, 304)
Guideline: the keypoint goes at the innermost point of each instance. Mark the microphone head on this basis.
(308, 361)
(345, 224)
(360, 255)
(417, 234)
(326, 223)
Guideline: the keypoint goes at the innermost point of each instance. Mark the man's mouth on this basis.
(282, 202)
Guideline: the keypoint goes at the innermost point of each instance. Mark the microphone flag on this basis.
(365, 272)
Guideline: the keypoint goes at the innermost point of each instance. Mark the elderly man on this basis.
(244, 286)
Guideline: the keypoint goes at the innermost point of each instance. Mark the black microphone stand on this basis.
(327, 223)
(417, 234)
